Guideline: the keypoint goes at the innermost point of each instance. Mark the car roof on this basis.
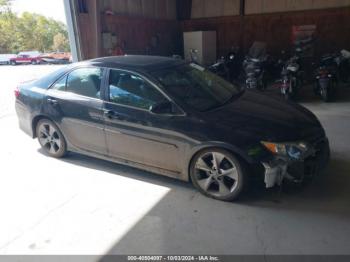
(136, 62)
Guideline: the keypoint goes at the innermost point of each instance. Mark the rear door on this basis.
(132, 132)
(75, 103)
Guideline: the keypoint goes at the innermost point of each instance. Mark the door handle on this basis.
(111, 114)
(53, 102)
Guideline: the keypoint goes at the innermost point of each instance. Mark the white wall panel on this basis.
(197, 9)
(134, 7)
(231, 7)
(161, 9)
(149, 8)
(271, 6)
(214, 8)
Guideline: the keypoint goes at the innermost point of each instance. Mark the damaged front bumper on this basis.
(312, 163)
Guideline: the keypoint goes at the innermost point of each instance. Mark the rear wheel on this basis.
(216, 173)
(51, 139)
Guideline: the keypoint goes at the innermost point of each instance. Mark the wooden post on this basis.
(242, 8)
(95, 13)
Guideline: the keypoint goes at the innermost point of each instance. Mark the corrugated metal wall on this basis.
(219, 8)
(137, 21)
(272, 6)
(332, 33)
(160, 9)
(214, 8)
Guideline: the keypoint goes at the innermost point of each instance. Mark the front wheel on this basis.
(216, 173)
(325, 95)
(51, 139)
(287, 96)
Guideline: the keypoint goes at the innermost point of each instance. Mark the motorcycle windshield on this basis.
(258, 50)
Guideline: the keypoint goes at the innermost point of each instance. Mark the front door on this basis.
(133, 133)
(75, 102)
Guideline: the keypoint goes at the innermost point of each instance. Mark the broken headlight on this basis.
(294, 151)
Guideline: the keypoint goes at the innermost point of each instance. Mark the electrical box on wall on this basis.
(203, 43)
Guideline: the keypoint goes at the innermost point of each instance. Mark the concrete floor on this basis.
(81, 205)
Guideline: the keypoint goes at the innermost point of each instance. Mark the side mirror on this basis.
(162, 108)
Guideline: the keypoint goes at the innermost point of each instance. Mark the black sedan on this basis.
(175, 119)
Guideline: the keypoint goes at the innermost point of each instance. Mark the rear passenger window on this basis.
(85, 82)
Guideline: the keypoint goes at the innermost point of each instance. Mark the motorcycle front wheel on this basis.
(325, 94)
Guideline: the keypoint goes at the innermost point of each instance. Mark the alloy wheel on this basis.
(50, 138)
(216, 174)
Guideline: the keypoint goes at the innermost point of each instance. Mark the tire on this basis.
(34, 62)
(13, 63)
(209, 178)
(287, 96)
(325, 94)
(294, 87)
(51, 138)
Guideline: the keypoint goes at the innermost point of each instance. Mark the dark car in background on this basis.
(175, 119)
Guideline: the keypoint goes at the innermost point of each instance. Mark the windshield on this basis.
(196, 87)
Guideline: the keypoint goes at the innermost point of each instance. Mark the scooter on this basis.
(326, 80)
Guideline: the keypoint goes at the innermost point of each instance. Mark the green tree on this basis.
(60, 42)
(29, 32)
(5, 5)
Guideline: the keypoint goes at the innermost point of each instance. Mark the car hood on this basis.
(260, 117)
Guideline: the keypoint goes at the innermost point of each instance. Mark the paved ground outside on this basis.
(81, 205)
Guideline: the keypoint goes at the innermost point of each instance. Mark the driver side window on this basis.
(131, 90)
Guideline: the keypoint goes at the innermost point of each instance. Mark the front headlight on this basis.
(293, 151)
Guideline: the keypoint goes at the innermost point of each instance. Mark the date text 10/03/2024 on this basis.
(174, 258)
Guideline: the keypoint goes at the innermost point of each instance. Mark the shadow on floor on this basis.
(327, 194)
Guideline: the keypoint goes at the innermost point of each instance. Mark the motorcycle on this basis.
(254, 67)
(291, 78)
(220, 68)
(343, 62)
(326, 80)
(228, 67)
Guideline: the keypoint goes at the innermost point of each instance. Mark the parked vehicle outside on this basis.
(5, 58)
(174, 119)
(57, 58)
(29, 57)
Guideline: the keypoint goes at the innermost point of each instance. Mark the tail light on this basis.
(17, 92)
